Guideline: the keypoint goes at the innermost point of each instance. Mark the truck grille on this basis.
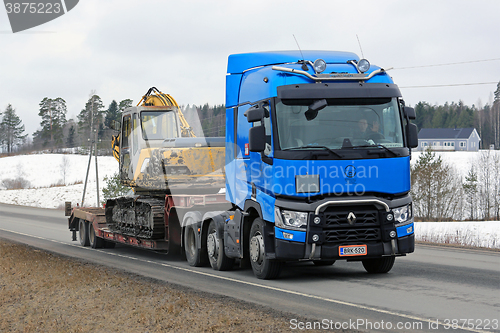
(339, 228)
(338, 218)
(352, 235)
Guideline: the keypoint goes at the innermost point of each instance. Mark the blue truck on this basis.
(317, 168)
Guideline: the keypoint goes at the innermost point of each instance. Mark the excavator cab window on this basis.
(125, 147)
(159, 125)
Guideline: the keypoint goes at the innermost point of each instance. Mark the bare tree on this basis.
(436, 191)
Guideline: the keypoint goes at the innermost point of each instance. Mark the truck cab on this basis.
(318, 148)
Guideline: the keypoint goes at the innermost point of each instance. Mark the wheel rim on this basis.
(257, 249)
(213, 245)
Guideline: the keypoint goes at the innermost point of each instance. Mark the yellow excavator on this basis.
(159, 151)
(159, 154)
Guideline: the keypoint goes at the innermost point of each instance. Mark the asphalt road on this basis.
(435, 289)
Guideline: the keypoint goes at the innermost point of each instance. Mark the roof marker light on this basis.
(319, 66)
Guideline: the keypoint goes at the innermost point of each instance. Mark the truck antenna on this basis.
(304, 65)
(359, 43)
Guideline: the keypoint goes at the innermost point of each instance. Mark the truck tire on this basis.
(83, 232)
(379, 265)
(195, 257)
(263, 268)
(215, 248)
(94, 241)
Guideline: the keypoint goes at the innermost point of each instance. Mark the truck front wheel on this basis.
(379, 265)
(83, 232)
(262, 267)
(215, 248)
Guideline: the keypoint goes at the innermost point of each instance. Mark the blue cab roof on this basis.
(238, 63)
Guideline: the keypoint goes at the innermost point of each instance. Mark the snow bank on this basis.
(475, 234)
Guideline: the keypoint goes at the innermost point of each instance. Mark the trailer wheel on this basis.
(379, 265)
(195, 257)
(83, 232)
(215, 248)
(94, 241)
(262, 267)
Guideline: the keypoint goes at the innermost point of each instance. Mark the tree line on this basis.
(56, 131)
(486, 119)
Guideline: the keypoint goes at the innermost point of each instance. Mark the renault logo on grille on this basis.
(351, 218)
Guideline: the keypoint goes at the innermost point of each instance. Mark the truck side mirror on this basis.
(116, 125)
(410, 113)
(412, 133)
(254, 114)
(257, 139)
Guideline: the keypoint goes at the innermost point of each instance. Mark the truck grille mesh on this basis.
(365, 227)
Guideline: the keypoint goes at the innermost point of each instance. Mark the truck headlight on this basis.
(402, 214)
(289, 219)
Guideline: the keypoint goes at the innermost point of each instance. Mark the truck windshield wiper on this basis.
(376, 146)
(315, 146)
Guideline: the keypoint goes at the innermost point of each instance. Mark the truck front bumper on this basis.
(293, 250)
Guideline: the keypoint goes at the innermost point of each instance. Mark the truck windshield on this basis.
(159, 125)
(341, 124)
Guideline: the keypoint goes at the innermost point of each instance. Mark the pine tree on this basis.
(93, 107)
(126, 103)
(112, 113)
(12, 129)
(470, 189)
(53, 113)
(70, 141)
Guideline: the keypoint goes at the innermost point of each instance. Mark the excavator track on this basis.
(137, 216)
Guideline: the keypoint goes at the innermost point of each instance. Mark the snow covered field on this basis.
(56, 178)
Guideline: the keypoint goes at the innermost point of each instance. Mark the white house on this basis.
(449, 139)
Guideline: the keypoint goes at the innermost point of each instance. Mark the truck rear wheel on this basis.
(195, 257)
(83, 232)
(379, 265)
(94, 241)
(215, 248)
(262, 267)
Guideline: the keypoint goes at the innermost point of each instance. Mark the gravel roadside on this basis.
(45, 292)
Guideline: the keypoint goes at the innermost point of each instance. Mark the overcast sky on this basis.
(121, 48)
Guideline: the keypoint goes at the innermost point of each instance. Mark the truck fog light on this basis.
(286, 235)
(363, 65)
(315, 238)
(392, 234)
(317, 220)
(390, 217)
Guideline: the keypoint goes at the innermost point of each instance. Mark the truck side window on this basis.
(267, 126)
